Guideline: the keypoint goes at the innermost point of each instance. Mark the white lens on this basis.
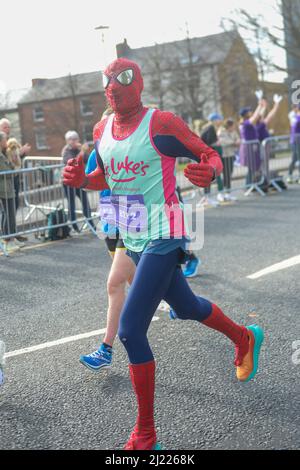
(105, 80)
(125, 77)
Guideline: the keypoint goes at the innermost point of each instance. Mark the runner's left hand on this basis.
(200, 174)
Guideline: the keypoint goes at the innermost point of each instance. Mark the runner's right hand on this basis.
(74, 173)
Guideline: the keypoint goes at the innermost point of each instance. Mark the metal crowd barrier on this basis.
(240, 172)
(41, 189)
(42, 192)
(279, 154)
(250, 156)
(256, 166)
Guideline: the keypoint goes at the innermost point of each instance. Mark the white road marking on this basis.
(32, 247)
(51, 344)
(288, 263)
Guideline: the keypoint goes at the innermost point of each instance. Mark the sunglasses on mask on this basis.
(124, 78)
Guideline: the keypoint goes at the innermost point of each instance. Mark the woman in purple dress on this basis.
(264, 121)
(250, 152)
(262, 127)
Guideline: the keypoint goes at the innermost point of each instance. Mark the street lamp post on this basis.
(102, 28)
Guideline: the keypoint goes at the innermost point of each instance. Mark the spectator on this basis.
(7, 197)
(210, 137)
(5, 126)
(264, 121)
(230, 141)
(72, 149)
(295, 142)
(250, 153)
(293, 114)
(13, 155)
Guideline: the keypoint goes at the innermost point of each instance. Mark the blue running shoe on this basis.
(172, 314)
(97, 360)
(191, 268)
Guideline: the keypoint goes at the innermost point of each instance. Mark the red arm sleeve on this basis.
(166, 123)
(96, 180)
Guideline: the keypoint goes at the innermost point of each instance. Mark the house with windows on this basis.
(196, 76)
(9, 110)
(53, 106)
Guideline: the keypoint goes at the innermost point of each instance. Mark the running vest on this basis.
(143, 202)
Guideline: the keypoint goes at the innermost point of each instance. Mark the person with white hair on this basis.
(5, 126)
(71, 150)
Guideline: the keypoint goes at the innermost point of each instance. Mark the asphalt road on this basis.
(50, 401)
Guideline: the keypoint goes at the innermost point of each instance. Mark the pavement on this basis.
(58, 290)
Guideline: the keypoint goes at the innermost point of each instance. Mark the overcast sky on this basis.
(51, 38)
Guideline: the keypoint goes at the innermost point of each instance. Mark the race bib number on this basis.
(128, 213)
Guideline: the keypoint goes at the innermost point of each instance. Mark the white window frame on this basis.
(38, 144)
(83, 113)
(41, 110)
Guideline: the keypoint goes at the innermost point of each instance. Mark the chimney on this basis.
(38, 81)
(122, 49)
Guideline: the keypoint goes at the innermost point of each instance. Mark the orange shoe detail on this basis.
(244, 370)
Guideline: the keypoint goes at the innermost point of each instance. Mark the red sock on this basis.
(238, 334)
(143, 382)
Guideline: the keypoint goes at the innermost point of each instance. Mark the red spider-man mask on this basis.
(123, 84)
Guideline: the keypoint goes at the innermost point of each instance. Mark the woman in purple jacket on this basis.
(250, 153)
(295, 142)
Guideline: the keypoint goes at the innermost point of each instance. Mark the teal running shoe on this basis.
(248, 369)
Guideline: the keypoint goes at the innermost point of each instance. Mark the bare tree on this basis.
(66, 118)
(239, 80)
(174, 76)
(259, 34)
(187, 80)
(156, 67)
(181, 76)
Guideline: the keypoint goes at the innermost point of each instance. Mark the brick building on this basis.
(197, 76)
(216, 72)
(54, 106)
